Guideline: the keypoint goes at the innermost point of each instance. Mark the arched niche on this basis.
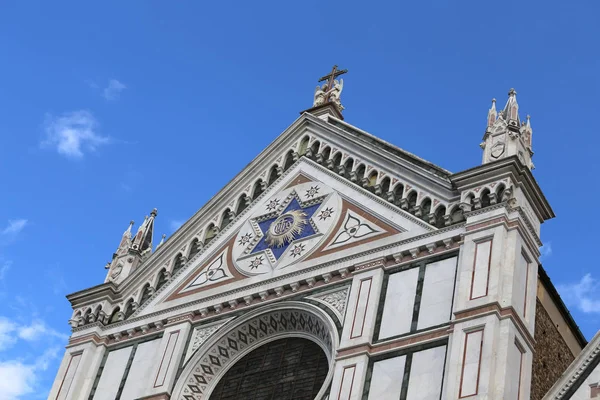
(211, 362)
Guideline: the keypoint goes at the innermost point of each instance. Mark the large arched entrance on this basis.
(285, 369)
(284, 351)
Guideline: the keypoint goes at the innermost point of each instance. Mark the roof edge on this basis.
(564, 311)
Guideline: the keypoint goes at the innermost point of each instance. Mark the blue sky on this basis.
(109, 109)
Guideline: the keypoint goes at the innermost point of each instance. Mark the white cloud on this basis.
(73, 133)
(7, 337)
(113, 90)
(18, 378)
(174, 224)
(37, 330)
(584, 295)
(14, 226)
(11, 332)
(546, 250)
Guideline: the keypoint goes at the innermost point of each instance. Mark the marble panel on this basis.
(386, 381)
(469, 380)
(520, 287)
(399, 303)
(347, 382)
(360, 312)
(481, 267)
(65, 386)
(108, 386)
(137, 384)
(438, 289)
(426, 374)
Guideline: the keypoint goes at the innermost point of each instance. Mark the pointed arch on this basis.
(385, 185)
(289, 160)
(226, 218)
(439, 221)
(360, 172)
(337, 159)
(210, 233)
(411, 200)
(456, 215)
(114, 316)
(398, 193)
(177, 263)
(86, 316)
(242, 204)
(257, 190)
(162, 278)
(500, 190)
(303, 146)
(273, 175)
(348, 165)
(314, 149)
(194, 248)
(129, 308)
(325, 154)
(146, 293)
(425, 208)
(485, 198)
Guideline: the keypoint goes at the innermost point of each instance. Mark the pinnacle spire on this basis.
(143, 238)
(162, 240)
(492, 114)
(511, 109)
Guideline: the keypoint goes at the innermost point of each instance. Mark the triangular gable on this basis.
(297, 221)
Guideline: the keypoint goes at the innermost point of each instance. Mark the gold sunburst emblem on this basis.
(285, 228)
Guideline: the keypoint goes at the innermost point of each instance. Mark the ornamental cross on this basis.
(331, 77)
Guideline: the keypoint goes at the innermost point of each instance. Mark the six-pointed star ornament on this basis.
(294, 224)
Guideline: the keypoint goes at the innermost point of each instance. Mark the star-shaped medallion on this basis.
(273, 204)
(245, 239)
(297, 250)
(257, 262)
(326, 213)
(290, 225)
(312, 192)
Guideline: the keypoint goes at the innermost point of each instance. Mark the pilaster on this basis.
(77, 372)
(171, 351)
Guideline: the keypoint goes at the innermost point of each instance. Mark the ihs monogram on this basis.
(273, 205)
(256, 262)
(326, 213)
(312, 192)
(297, 250)
(245, 239)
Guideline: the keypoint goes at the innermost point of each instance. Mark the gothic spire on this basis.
(492, 114)
(511, 110)
(143, 237)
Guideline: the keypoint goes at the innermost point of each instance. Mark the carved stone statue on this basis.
(336, 92)
(320, 96)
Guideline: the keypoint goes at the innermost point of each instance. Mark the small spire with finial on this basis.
(492, 114)
(162, 240)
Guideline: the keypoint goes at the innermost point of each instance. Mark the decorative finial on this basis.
(494, 101)
(131, 222)
(512, 92)
(154, 212)
(162, 240)
(528, 123)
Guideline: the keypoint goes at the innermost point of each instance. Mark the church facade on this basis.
(338, 266)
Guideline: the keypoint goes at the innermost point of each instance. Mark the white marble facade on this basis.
(403, 308)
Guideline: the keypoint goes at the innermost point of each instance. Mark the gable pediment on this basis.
(304, 219)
